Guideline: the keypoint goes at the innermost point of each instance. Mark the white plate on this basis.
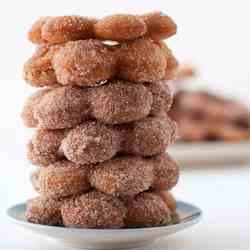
(107, 238)
(211, 153)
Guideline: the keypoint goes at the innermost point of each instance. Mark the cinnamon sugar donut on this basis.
(61, 29)
(94, 142)
(147, 210)
(62, 179)
(93, 210)
(113, 103)
(83, 63)
(122, 176)
(129, 175)
(166, 172)
(38, 70)
(141, 60)
(44, 210)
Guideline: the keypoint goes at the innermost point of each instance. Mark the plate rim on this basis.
(193, 220)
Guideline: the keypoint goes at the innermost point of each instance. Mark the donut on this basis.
(38, 70)
(147, 210)
(83, 63)
(93, 210)
(63, 179)
(122, 176)
(93, 142)
(116, 102)
(44, 210)
(141, 60)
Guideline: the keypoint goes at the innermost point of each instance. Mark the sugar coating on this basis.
(122, 176)
(149, 136)
(43, 149)
(141, 60)
(93, 142)
(159, 25)
(97, 137)
(162, 97)
(113, 103)
(62, 179)
(172, 63)
(94, 210)
(92, 62)
(44, 210)
(172, 66)
(67, 28)
(166, 172)
(130, 175)
(90, 142)
(27, 112)
(121, 102)
(35, 34)
(83, 63)
(147, 210)
(120, 27)
(38, 70)
(98, 210)
(60, 108)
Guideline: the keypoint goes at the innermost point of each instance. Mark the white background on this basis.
(214, 35)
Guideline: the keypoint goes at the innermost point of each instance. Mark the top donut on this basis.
(119, 27)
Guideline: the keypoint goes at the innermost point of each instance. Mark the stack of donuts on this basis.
(101, 124)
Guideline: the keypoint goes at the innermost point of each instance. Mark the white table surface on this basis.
(221, 192)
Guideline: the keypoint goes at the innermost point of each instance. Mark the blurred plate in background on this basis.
(209, 153)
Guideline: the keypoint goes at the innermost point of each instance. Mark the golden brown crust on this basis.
(35, 34)
(61, 29)
(67, 28)
(91, 62)
(159, 25)
(83, 63)
(38, 70)
(141, 60)
(172, 63)
(120, 27)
